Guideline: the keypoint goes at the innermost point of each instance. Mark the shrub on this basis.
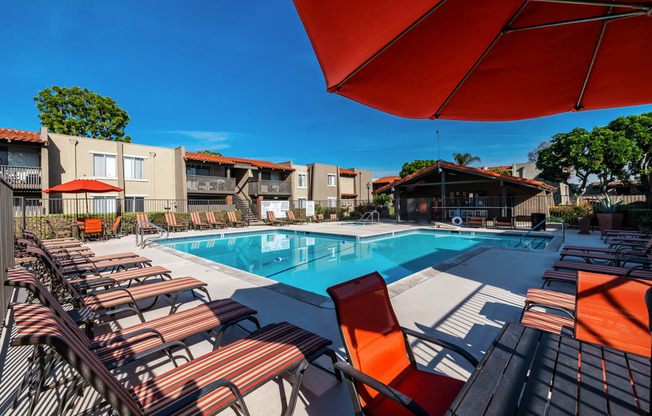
(570, 214)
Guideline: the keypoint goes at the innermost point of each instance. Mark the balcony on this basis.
(22, 177)
(210, 184)
(274, 188)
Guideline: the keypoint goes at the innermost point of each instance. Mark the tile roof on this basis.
(347, 172)
(202, 157)
(21, 135)
(387, 179)
(510, 178)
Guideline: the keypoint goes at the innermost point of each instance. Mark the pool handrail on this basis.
(140, 230)
(369, 216)
(563, 230)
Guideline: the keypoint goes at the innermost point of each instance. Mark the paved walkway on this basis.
(465, 301)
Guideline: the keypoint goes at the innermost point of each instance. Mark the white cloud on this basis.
(211, 140)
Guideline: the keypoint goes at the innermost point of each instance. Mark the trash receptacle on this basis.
(537, 217)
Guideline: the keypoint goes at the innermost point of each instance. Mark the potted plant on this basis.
(608, 218)
(583, 217)
(645, 222)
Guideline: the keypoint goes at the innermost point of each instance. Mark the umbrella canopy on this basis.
(79, 186)
(483, 60)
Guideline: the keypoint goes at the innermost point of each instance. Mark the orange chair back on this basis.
(210, 217)
(92, 225)
(116, 224)
(333, 216)
(271, 216)
(194, 216)
(320, 216)
(314, 217)
(231, 215)
(370, 331)
(141, 217)
(611, 311)
(170, 218)
(290, 215)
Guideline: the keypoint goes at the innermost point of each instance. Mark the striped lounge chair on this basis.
(205, 385)
(141, 220)
(233, 220)
(547, 322)
(120, 299)
(561, 301)
(320, 217)
(210, 217)
(636, 271)
(293, 219)
(197, 223)
(333, 217)
(271, 218)
(123, 262)
(171, 221)
(58, 233)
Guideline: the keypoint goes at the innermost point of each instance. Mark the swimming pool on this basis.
(314, 262)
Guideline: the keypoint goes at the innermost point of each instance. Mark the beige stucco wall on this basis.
(347, 185)
(71, 158)
(361, 180)
(318, 182)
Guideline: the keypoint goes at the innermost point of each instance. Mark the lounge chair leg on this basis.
(296, 382)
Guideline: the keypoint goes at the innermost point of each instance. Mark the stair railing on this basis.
(140, 231)
(563, 230)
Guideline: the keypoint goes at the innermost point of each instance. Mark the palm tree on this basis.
(465, 159)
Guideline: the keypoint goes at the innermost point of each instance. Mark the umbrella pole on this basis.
(87, 212)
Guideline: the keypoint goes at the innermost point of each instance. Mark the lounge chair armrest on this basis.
(635, 268)
(640, 261)
(196, 395)
(459, 350)
(123, 337)
(352, 373)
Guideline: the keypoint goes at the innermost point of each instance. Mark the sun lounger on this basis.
(381, 372)
(210, 217)
(476, 222)
(233, 220)
(333, 217)
(315, 219)
(109, 280)
(113, 231)
(206, 385)
(141, 219)
(58, 233)
(292, 219)
(271, 217)
(197, 223)
(320, 217)
(560, 301)
(172, 224)
(636, 271)
(547, 322)
(125, 298)
(616, 259)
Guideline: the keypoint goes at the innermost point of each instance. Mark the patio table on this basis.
(531, 372)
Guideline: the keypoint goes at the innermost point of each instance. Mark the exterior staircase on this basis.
(244, 207)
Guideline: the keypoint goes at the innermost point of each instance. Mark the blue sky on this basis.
(237, 77)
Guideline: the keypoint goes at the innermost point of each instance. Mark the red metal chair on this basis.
(92, 226)
(382, 376)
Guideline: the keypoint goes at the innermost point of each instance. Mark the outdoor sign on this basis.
(310, 208)
(277, 207)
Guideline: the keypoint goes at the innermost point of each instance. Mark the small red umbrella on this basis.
(483, 60)
(84, 186)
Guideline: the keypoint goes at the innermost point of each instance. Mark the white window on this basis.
(134, 167)
(104, 166)
(331, 180)
(301, 202)
(134, 204)
(104, 204)
(331, 202)
(301, 180)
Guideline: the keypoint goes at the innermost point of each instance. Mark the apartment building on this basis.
(144, 172)
(24, 161)
(300, 193)
(332, 186)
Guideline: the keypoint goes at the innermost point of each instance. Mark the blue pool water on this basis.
(313, 262)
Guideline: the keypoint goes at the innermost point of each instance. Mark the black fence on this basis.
(6, 244)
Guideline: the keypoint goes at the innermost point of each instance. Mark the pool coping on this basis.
(394, 288)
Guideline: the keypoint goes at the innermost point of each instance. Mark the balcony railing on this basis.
(210, 184)
(22, 177)
(270, 188)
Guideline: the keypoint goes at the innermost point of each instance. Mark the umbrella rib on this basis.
(390, 43)
(586, 19)
(578, 105)
(470, 71)
(642, 6)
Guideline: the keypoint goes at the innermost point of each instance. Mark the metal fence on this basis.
(6, 244)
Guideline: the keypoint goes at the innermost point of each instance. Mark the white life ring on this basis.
(457, 221)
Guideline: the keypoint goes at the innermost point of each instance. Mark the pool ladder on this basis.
(369, 216)
(563, 230)
(140, 230)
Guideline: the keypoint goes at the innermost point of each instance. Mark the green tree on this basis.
(600, 152)
(638, 130)
(81, 112)
(411, 167)
(465, 159)
(210, 152)
(534, 154)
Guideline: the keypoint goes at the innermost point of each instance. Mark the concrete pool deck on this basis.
(465, 300)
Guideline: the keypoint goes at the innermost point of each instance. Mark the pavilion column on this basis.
(443, 195)
(503, 198)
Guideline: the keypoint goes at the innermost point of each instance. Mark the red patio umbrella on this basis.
(84, 186)
(483, 60)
